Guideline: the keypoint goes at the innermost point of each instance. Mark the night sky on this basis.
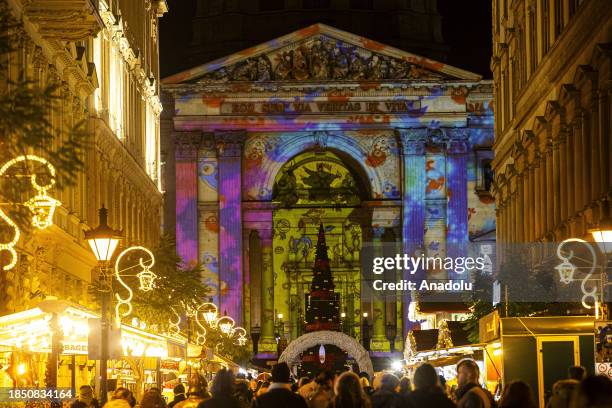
(466, 28)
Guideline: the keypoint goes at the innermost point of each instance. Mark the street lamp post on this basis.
(103, 241)
(391, 332)
(255, 334)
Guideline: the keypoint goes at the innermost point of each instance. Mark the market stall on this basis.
(26, 345)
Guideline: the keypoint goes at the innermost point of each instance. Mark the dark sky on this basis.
(466, 28)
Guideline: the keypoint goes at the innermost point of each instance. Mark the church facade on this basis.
(321, 126)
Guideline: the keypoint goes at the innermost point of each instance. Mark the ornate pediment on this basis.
(322, 58)
(321, 53)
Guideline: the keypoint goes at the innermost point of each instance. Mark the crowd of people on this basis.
(350, 390)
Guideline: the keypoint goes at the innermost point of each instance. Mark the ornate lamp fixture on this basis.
(566, 270)
(42, 205)
(146, 278)
(241, 336)
(103, 240)
(209, 312)
(226, 324)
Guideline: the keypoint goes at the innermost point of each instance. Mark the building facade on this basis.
(105, 63)
(384, 147)
(551, 69)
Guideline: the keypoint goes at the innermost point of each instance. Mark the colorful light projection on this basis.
(42, 205)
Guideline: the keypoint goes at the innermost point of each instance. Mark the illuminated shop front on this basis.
(26, 343)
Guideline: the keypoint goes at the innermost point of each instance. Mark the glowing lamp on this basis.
(603, 235)
(103, 240)
(322, 354)
(397, 365)
(147, 279)
(210, 313)
(226, 324)
(43, 207)
(566, 271)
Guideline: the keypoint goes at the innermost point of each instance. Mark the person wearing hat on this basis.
(196, 393)
(279, 394)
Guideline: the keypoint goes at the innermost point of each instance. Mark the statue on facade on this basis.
(300, 64)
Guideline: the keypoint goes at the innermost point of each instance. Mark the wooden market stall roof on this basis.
(547, 325)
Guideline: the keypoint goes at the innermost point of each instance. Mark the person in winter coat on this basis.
(387, 395)
(469, 393)
(279, 394)
(222, 392)
(427, 390)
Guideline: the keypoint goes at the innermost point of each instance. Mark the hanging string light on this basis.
(566, 271)
(226, 324)
(209, 312)
(146, 278)
(42, 205)
(174, 328)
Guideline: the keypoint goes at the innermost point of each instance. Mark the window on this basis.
(545, 28)
(533, 43)
(97, 60)
(271, 5)
(558, 18)
(116, 91)
(316, 4)
(484, 171)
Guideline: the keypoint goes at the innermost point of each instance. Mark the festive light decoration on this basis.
(322, 354)
(210, 313)
(241, 334)
(566, 270)
(146, 278)
(174, 328)
(42, 205)
(226, 324)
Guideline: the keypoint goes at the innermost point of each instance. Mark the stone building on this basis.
(104, 57)
(382, 146)
(551, 69)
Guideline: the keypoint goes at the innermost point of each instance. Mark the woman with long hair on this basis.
(349, 393)
(222, 392)
(517, 394)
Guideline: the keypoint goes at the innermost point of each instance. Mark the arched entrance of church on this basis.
(292, 353)
(311, 188)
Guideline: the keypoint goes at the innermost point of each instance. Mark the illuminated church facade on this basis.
(321, 126)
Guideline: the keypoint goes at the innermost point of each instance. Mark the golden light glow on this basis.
(42, 205)
(226, 324)
(146, 278)
(566, 270)
(497, 352)
(21, 369)
(173, 328)
(241, 336)
(209, 312)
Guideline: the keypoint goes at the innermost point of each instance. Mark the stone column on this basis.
(604, 135)
(586, 160)
(556, 177)
(569, 148)
(187, 145)
(413, 201)
(267, 342)
(457, 207)
(379, 340)
(229, 150)
(532, 202)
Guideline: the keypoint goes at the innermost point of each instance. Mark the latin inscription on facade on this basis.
(299, 108)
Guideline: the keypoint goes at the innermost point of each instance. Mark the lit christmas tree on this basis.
(322, 313)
